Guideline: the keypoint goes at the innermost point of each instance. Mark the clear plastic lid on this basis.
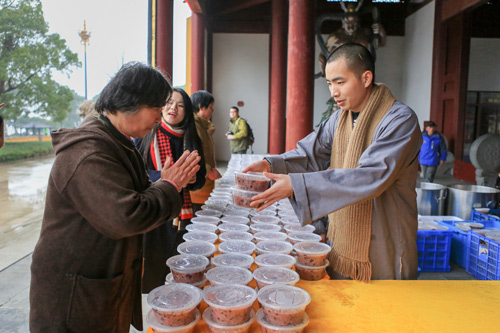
(265, 219)
(251, 181)
(233, 206)
(200, 236)
(218, 327)
(188, 263)
(276, 274)
(289, 219)
(237, 246)
(300, 236)
(233, 259)
(239, 219)
(274, 247)
(243, 193)
(199, 284)
(202, 227)
(236, 213)
(275, 259)
(296, 227)
(270, 235)
(259, 227)
(229, 296)
(209, 212)
(300, 266)
(158, 327)
(224, 227)
(197, 247)
(205, 219)
(178, 297)
(314, 248)
(263, 322)
(266, 212)
(283, 297)
(235, 235)
(229, 275)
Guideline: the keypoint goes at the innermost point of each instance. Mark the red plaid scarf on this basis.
(163, 148)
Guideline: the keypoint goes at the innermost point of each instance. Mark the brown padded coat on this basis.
(86, 269)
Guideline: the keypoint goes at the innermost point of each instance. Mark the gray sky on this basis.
(118, 30)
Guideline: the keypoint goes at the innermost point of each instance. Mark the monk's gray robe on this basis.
(387, 173)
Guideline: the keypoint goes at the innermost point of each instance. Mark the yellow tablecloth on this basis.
(398, 306)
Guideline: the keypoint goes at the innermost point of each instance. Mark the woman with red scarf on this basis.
(175, 134)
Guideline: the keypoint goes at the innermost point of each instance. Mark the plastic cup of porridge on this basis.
(236, 219)
(202, 227)
(221, 275)
(270, 235)
(266, 276)
(273, 247)
(233, 259)
(175, 304)
(188, 268)
(266, 212)
(242, 198)
(200, 236)
(200, 284)
(209, 212)
(311, 273)
(300, 236)
(237, 246)
(230, 304)
(264, 227)
(251, 181)
(225, 227)
(235, 235)
(215, 327)
(201, 248)
(292, 227)
(275, 260)
(311, 253)
(268, 327)
(205, 219)
(265, 219)
(157, 327)
(283, 305)
(289, 219)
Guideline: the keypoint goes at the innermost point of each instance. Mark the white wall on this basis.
(417, 64)
(484, 73)
(240, 73)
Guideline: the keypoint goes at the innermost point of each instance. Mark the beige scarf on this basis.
(350, 227)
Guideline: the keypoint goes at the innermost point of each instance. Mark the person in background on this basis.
(237, 133)
(203, 106)
(433, 151)
(166, 144)
(87, 264)
(2, 128)
(359, 168)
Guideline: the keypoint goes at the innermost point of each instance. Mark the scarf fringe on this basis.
(356, 270)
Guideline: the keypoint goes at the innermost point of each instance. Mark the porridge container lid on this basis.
(316, 248)
(188, 263)
(222, 275)
(197, 247)
(236, 219)
(274, 247)
(158, 327)
(251, 175)
(262, 320)
(237, 246)
(207, 318)
(236, 212)
(200, 284)
(283, 297)
(201, 227)
(229, 296)
(275, 259)
(289, 219)
(235, 235)
(233, 259)
(174, 297)
(205, 219)
(258, 227)
(270, 235)
(299, 265)
(297, 227)
(209, 212)
(224, 227)
(266, 212)
(300, 236)
(265, 219)
(200, 236)
(244, 193)
(276, 274)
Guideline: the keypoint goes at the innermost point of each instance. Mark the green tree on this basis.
(28, 56)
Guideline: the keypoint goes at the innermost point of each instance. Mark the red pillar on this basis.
(277, 104)
(300, 75)
(197, 53)
(164, 33)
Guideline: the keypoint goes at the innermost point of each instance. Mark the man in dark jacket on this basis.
(433, 151)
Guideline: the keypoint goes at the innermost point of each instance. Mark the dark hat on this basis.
(430, 123)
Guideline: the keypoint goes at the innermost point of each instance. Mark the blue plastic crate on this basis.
(484, 257)
(494, 215)
(459, 241)
(434, 250)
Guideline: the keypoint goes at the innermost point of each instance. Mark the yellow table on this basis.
(398, 306)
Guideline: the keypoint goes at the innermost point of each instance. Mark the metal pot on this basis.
(462, 198)
(431, 198)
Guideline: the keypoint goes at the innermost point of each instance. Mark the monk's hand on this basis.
(181, 172)
(258, 166)
(281, 189)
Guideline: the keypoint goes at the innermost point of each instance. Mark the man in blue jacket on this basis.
(433, 151)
